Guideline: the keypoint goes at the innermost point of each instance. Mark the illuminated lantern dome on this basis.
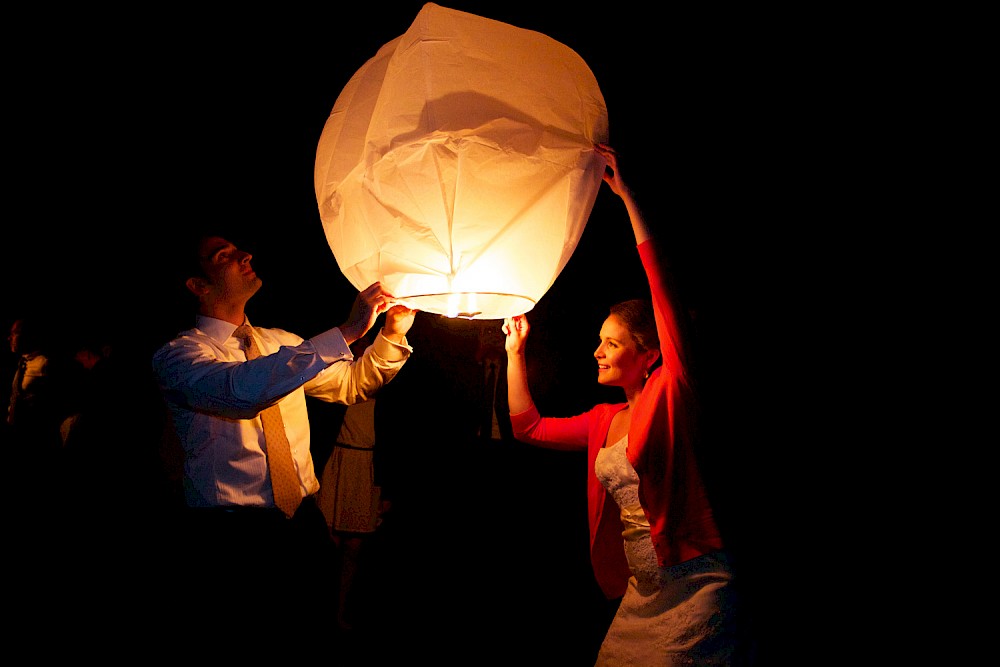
(457, 165)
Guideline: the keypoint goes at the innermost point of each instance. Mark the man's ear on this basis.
(197, 286)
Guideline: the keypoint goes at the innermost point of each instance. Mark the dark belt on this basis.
(235, 509)
(342, 445)
(249, 511)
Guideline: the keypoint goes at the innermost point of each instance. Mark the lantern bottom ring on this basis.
(469, 305)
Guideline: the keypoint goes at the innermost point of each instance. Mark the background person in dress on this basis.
(349, 497)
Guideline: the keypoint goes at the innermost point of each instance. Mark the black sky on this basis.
(123, 133)
(120, 137)
(124, 129)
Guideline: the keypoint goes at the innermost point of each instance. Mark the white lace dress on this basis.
(669, 616)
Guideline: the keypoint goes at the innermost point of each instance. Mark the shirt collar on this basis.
(218, 330)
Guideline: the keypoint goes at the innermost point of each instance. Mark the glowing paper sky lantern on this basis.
(457, 166)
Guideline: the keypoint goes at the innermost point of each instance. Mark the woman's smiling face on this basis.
(619, 361)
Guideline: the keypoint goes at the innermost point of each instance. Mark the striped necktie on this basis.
(284, 479)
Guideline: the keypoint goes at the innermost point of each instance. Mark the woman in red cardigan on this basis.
(654, 541)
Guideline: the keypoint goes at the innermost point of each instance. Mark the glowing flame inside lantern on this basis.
(457, 166)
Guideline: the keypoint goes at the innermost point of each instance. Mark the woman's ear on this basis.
(651, 357)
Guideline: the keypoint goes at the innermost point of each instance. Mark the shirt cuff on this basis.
(391, 351)
(331, 346)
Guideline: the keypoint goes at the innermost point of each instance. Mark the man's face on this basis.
(14, 336)
(231, 278)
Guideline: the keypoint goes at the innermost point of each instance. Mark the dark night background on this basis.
(120, 137)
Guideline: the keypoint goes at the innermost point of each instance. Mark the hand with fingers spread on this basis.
(368, 305)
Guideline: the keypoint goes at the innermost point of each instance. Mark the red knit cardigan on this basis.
(660, 447)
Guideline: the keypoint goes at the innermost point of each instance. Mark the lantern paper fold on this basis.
(457, 165)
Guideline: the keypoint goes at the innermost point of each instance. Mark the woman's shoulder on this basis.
(605, 410)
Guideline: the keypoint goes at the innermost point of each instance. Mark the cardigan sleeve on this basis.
(563, 433)
(662, 439)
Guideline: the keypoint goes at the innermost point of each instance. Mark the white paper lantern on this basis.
(457, 165)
